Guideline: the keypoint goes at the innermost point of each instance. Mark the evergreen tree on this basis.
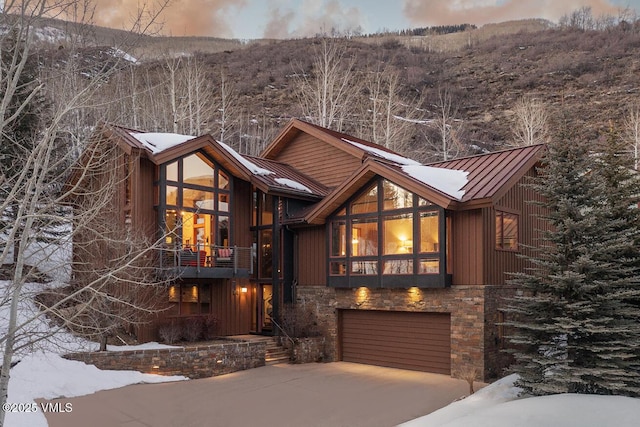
(576, 323)
(610, 359)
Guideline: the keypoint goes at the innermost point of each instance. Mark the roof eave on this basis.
(369, 169)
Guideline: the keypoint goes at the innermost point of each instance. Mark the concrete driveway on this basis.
(326, 394)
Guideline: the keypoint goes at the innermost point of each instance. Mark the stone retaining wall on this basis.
(192, 361)
(307, 350)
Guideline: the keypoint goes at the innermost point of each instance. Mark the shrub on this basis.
(170, 332)
(299, 322)
(210, 327)
(193, 328)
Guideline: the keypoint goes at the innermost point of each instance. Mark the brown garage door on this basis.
(417, 341)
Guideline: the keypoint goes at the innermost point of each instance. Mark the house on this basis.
(404, 264)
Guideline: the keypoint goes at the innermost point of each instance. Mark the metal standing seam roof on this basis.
(282, 170)
(489, 173)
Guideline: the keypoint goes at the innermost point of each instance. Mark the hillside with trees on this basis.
(393, 92)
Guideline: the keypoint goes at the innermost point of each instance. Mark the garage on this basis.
(396, 339)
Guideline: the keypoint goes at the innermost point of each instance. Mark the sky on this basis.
(250, 19)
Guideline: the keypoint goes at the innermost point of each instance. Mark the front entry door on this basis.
(263, 308)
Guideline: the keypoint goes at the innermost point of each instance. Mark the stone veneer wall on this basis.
(193, 362)
(465, 303)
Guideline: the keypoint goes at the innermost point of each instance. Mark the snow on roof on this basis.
(255, 169)
(396, 158)
(293, 184)
(158, 142)
(449, 181)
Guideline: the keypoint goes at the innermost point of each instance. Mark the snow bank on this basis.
(498, 405)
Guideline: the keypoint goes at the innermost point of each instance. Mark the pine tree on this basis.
(611, 357)
(541, 334)
(576, 327)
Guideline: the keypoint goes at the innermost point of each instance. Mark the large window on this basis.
(506, 231)
(387, 236)
(194, 202)
(266, 211)
(189, 299)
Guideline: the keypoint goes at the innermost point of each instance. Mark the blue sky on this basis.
(247, 19)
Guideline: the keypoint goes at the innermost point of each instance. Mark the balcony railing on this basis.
(207, 259)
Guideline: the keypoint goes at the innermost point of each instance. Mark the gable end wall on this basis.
(321, 161)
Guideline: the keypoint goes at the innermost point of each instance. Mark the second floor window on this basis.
(195, 196)
(506, 231)
(386, 230)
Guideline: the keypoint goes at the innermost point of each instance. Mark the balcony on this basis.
(207, 261)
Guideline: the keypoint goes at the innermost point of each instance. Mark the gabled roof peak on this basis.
(357, 147)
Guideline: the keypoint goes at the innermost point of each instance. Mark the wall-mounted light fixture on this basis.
(244, 289)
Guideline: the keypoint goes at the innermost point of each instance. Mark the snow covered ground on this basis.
(498, 405)
(41, 372)
(47, 375)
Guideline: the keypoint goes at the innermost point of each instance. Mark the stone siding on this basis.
(193, 362)
(307, 350)
(466, 304)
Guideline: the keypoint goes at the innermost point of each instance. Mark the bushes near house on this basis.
(301, 325)
(299, 322)
(189, 329)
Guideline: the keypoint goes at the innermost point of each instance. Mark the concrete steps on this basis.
(274, 353)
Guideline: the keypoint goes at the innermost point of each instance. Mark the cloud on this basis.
(313, 17)
(182, 17)
(447, 12)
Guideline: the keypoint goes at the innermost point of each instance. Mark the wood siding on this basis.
(232, 307)
(144, 216)
(241, 214)
(326, 164)
(312, 256)
(417, 341)
(466, 247)
(517, 200)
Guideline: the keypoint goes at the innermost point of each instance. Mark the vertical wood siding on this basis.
(312, 256)
(467, 247)
(241, 213)
(322, 162)
(144, 216)
(232, 307)
(517, 200)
